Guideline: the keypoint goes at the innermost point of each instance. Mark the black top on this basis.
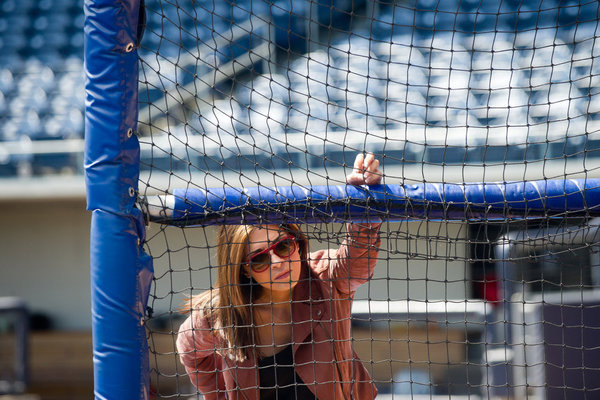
(278, 378)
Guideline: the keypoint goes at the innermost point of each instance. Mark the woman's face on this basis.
(274, 259)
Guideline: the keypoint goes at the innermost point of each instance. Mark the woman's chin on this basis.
(283, 286)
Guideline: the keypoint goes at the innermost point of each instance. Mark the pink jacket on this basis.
(321, 333)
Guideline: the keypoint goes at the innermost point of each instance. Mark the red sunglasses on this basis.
(284, 248)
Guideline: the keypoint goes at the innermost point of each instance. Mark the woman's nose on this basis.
(275, 258)
(273, 255)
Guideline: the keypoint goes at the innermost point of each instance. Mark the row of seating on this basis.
(491, 64)
(40, 102)
(246, 154)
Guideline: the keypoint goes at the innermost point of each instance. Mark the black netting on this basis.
(237, 95)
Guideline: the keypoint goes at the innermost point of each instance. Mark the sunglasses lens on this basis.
(284, 248)
(260, 262)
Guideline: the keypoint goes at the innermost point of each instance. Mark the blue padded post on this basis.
(120, 271)
(121, 274)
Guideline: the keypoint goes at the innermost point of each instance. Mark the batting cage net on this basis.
(463, 265)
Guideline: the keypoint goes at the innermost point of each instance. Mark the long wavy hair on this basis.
(229, 303)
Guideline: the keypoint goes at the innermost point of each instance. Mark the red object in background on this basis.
(489, 288)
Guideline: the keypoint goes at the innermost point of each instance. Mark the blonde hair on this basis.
(228, 304)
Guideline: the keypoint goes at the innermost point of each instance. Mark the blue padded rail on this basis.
(449, 201)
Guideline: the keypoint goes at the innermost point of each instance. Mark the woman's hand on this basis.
(365, 171)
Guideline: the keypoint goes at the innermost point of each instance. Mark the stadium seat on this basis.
(7, 82)
(12, 43)
(29, 124)
(17, 6)
(17, 23)
(3, 107)
(391, 82)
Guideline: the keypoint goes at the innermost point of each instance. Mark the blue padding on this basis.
(469, 201)
(120, 278)
(111, 155)
(121, 272)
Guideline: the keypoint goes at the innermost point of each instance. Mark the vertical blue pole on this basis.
(120, 271)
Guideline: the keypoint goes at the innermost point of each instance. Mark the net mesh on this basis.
(286, 93)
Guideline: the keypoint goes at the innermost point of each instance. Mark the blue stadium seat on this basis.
(12, 43)
(76, 43)
(57, 40)
(17, 23)
(290, 24)
(40, 74)
(34, 98)
(78, 21)
(7, 81)
(51, 6)
(29, 124)
(391, 22)
(4, 26)
(41, 23)
(17, 6)
(404, 83)
(54, 127)
(3, 107)
(9, 130)
(49, 57)
(17, 106)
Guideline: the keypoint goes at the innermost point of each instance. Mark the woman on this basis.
(277, 323)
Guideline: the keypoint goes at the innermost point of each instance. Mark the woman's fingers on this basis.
(365, 170)
(359, 163)
(368, 161)
(356, 177)
(372, 174)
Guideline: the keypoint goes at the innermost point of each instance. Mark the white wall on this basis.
(44, 258)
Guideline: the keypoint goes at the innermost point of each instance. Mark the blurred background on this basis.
(530, 114)
(44, 227)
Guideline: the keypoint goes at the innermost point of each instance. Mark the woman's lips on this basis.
(283, 275)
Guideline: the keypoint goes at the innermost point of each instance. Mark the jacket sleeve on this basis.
(197, 350)
(353, 263)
